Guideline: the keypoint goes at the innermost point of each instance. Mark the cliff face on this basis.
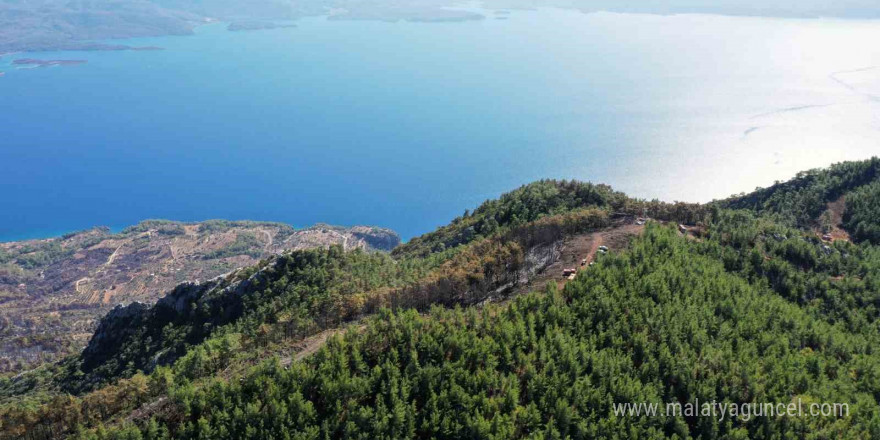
(112, 328)
(376, 238)
(124, 323)
(53, 290)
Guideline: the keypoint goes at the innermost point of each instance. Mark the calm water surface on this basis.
(405, 125)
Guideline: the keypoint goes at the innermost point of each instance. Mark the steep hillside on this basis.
(685, 329)
(740, 301)
(53, 290)
(862, 212)
(802, 201)
(301, 293)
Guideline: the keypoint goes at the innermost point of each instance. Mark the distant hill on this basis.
(843, 198)
(53, 290)
(79, 25)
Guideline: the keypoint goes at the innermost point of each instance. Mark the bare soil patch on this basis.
(582, 247)
(836, 208)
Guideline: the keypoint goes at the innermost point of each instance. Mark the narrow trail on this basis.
(78, 282)
(597, 241)
(269, 240)
(311, 345)
(97, 296)
(113, 256)
(344, 240)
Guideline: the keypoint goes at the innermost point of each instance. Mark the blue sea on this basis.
(405, 125)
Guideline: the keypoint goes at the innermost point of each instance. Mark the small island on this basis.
(240, 26)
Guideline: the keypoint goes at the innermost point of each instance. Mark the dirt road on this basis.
(583, 247)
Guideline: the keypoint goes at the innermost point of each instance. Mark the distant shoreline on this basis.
(57, 234)
(428, 13)
(49, 235)
(46, 63)
(90, 47)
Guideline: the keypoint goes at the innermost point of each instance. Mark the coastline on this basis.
(46, 63)
(50, 234)
(427, 13)
(88, 47)
(56, 234)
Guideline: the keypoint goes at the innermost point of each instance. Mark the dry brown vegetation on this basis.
(52, 291)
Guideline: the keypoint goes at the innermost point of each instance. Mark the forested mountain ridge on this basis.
(308, 291)
(745, 302)
(529, 203)
(802, 201)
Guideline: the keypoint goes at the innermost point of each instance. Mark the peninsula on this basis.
(52, 291)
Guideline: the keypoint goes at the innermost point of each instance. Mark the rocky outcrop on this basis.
(539, 258)
(376, 238)
(112, 329)
(125, 325)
